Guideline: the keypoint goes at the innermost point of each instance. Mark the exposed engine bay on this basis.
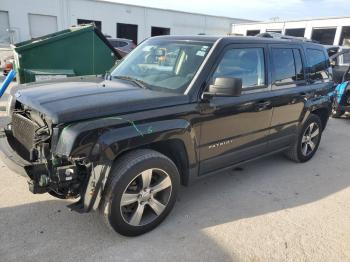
(31, 136)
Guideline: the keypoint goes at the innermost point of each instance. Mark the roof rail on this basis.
(287, 37)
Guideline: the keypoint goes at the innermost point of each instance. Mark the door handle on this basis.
(263, 105)
(305, 95)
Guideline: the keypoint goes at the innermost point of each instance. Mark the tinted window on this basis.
(298, 65)
(284, 67)
(318, 64)
(245, 63)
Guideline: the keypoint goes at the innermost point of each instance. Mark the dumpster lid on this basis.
(51, 71)
(74, 30)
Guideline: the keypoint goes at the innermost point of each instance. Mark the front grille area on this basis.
(23, 129)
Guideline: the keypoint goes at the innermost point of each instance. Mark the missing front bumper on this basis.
(19, 165)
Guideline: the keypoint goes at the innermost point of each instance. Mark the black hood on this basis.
(73, 101)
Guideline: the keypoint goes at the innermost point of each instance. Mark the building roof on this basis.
(173, 10)
(295, 20)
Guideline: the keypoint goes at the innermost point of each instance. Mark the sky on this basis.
(254, 9)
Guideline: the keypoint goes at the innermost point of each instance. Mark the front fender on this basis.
(104, 139)
(116, 141)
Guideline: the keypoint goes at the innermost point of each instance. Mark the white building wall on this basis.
(68, 11)
(309, 25)
(18, 14)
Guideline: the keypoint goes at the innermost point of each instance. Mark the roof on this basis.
(233, 39)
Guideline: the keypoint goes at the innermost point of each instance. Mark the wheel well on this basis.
(176, 151)
(323, 114)
(173, 149)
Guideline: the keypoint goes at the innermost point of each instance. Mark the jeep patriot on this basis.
(176, 109)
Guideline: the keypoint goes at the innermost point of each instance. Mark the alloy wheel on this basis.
(146, 197)
(310, 139)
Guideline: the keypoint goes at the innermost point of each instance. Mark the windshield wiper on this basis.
(136, 81)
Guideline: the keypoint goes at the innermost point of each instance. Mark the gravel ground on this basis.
(271, 210)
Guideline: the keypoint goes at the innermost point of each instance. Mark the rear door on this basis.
(290, 92)
(234, 129)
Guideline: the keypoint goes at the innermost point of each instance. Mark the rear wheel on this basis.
(140, 192)
(308, 140)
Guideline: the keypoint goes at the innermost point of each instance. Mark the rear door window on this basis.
(287, 66)
(284, 66)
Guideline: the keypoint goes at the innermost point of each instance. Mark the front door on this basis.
(234, 129)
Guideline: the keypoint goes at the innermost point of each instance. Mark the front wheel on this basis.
(140, 192)
(309, 137)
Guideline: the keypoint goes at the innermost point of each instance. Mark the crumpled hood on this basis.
(73, 101)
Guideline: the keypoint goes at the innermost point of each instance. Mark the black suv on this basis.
(176, 109)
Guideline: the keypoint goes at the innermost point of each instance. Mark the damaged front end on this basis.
(27, 143)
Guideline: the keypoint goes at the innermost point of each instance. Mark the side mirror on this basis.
(225, 86)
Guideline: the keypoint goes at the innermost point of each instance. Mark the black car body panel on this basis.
(76, 101)
(94, 121)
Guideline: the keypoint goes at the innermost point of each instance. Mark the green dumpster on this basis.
(77, 51)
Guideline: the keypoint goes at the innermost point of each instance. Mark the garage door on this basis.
(40, 25)
(4, 24)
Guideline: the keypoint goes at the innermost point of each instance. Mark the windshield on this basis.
(163, 65)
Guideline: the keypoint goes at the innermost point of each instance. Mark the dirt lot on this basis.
(272, 210)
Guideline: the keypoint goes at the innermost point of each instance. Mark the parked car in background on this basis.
(178, 109)
(123, 45)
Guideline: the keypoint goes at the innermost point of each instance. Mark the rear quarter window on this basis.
(318, 64)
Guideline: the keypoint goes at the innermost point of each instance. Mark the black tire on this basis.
(295, 152)
(124, 174)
